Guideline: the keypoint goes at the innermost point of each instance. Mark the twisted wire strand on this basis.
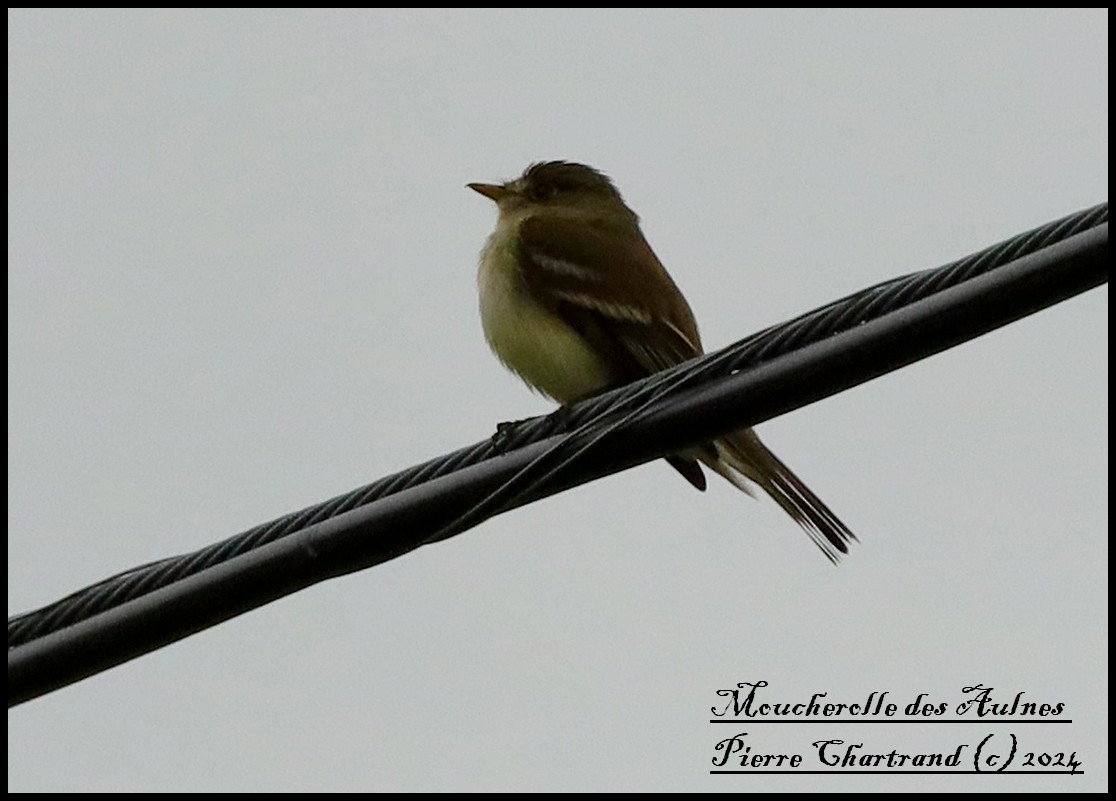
(588, 425)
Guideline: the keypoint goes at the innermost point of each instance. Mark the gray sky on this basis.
(241, 280)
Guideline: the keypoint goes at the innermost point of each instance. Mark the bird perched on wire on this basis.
(574, 301)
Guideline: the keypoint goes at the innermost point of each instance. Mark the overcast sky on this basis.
(241, 274)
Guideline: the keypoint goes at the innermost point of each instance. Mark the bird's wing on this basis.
(610, 287)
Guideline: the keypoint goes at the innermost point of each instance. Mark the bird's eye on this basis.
(544, 191)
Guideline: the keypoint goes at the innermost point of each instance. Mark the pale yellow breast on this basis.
(530, 340)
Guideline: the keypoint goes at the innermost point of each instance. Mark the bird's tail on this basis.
(741, 455)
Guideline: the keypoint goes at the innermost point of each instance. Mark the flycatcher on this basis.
(574, 301)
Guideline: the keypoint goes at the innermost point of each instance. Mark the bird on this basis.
(574, 301)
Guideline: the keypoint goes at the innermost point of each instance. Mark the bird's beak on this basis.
(490, 191)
